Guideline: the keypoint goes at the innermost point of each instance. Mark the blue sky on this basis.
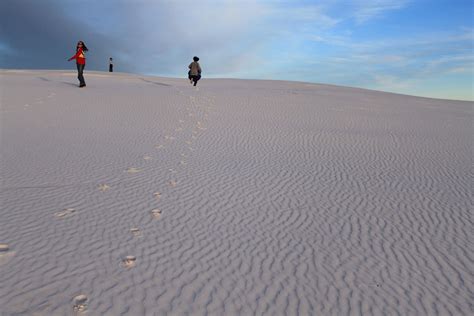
(418, 47)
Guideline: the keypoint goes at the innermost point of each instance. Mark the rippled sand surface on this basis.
(147, 196)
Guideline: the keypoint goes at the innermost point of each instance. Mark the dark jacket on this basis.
(195, 69)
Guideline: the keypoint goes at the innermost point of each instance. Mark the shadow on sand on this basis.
(157, 83)
(44, 79)
(70, 84)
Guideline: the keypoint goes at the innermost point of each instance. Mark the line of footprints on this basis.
(128, 262)
(80, 301)
(39, 100)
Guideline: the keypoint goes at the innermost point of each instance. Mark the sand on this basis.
(146, 196)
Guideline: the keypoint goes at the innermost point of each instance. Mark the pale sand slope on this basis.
(245, 197)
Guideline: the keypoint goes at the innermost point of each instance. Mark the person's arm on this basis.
(77, 55)
(190, 65)
(199, 69)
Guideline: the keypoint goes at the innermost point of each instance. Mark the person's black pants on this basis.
(80, 76)
(195, 78)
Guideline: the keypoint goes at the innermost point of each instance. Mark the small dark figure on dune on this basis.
(80, 58)
(111, 65)
(194, 73)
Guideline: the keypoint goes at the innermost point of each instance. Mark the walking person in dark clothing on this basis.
(194, 73)
(80, 58)
(111, 65)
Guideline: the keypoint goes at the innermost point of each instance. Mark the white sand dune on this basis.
(146, 196)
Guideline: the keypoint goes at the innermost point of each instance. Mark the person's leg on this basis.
(80, 75)
(196, 79)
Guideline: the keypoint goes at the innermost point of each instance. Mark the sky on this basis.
(416, 47)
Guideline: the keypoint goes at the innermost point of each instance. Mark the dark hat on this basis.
(195, 58)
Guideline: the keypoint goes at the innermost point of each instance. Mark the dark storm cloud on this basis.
(42, 34)
(143, 36)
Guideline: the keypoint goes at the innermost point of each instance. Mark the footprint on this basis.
(147, 157)
(159, 146)
(104, 187)
(183, 162)
(156, 213)
(173, 183)
(3, 248)
(133, 170)
(179, 129)
(157, 195)
(5, 253)
(189, 142)
(65, 213)
(80, 303)
(129, 261)
(136, 232)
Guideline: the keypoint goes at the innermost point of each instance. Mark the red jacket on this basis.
(79, 57)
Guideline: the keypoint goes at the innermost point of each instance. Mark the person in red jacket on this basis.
(80, 62)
